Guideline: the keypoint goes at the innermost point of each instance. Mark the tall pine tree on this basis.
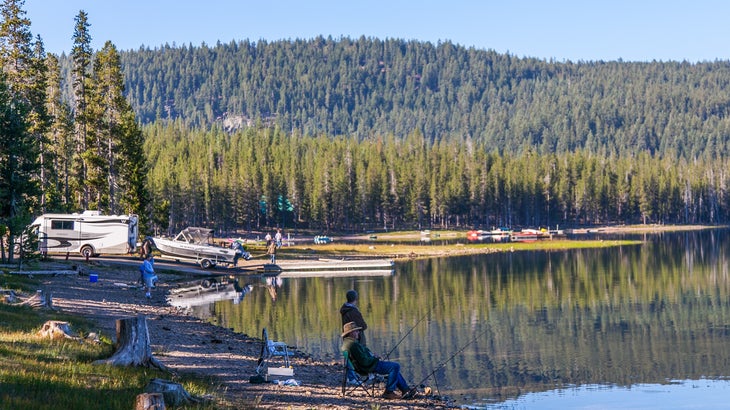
(23, 118)
(81, 56)
(121, 136)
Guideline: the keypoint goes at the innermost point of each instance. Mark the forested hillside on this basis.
(366, 88)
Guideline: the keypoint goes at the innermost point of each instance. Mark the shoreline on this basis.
(187, 344)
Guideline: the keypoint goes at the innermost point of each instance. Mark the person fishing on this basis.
(350, 313)
(365, 362)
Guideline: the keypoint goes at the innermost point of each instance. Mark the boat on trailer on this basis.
(194, 244)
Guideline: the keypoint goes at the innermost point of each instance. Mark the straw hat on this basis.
(349, 328)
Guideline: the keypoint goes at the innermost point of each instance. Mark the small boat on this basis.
(501, 231)
(322, 239)
(524, 236)
(193, 244)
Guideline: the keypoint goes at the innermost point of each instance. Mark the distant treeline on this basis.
(368, 88)
(261, 177)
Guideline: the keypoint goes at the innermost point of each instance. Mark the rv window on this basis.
(68, 225)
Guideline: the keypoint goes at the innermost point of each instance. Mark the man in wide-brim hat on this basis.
(365, 362)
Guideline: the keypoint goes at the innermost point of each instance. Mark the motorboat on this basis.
(194, 244)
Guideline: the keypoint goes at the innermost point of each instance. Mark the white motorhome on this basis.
(89, 233)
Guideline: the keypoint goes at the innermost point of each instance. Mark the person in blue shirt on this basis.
(148, 275)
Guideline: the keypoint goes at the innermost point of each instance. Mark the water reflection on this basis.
(501, 325)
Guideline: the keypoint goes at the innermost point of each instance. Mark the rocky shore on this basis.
(186, 344)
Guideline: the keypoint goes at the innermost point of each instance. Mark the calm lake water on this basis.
(643, 326)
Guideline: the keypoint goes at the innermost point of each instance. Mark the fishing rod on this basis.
(452, 357)
(387, 355)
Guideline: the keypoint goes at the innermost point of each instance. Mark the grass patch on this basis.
(394, 249)
(38, 373)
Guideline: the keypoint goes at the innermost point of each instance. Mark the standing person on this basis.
(271, 250)
(278, 238)
(148, 275)
(350, 313)
(365, 362)
(268, 239)
(146, 248)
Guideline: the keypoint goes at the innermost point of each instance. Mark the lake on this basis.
(642, 326)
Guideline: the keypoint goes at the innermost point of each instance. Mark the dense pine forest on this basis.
(267, 177)
(354, 134)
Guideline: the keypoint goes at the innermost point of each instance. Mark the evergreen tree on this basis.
(81, 56)
(23, 120)
(18, 166)
(23, 62)
(60, 147)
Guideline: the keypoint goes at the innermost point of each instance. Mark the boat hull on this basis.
(183, 250)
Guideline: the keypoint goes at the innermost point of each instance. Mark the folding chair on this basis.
(271, 349)
(366, 382)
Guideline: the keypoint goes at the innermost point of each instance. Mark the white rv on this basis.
(88, 233)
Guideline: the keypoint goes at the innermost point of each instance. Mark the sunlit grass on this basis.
(39, 373)
(396, 249)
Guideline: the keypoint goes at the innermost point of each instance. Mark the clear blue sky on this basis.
(576, 30)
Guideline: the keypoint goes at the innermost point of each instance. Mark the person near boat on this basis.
(271, 250)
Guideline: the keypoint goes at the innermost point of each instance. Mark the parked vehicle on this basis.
(89, 233)
(193, 244)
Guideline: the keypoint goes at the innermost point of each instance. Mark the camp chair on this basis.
(271, 349)
(366, 382)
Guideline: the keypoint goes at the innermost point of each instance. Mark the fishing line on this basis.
(387, 355)
(452, 356)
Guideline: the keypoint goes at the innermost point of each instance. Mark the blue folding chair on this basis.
(271, 349)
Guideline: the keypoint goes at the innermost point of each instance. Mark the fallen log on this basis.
(133, 345)
(45, 272)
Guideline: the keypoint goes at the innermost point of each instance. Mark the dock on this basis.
(329, 267)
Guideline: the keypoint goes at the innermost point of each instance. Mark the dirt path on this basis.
(186, 344)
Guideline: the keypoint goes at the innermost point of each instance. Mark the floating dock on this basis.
(329, 267)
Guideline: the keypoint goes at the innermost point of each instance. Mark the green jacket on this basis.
(360, 356)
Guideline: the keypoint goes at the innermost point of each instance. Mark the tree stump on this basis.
(149, 401)
(173, 393)
(39, 299)
(55, 329)
(133, 345)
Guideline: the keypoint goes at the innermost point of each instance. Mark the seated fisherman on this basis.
(365, 362)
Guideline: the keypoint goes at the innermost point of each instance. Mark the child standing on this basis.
(148, 275)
